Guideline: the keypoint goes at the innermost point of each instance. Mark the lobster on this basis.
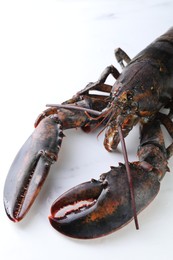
(98, 207)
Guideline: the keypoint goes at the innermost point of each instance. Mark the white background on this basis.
(48, 51)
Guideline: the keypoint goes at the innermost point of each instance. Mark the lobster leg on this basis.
(99, 207)
(121, 56)
(100, 83)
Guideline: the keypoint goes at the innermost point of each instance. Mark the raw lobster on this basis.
(99, 207)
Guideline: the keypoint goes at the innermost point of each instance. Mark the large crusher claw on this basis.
(96, 208)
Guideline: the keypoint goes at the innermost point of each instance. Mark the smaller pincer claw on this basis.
(97, 208)
(31, 167)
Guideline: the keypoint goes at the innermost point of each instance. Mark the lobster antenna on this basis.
(66, 106)
(128, 174)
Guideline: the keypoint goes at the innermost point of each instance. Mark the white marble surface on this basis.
(48, 51)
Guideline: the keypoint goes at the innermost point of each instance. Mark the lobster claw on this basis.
(31, 167)
(96, 208)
